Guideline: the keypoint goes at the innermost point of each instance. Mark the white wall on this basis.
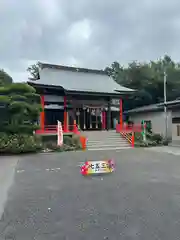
(157, 119)
(174, 126)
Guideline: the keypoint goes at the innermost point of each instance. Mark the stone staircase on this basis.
(105, 140)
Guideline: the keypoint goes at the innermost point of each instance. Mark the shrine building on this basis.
(84, 96)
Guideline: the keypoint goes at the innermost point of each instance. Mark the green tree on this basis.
(20, 106)
(5, 78)
(148, 80)
(34, 71)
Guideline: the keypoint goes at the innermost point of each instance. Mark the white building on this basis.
(154, 115)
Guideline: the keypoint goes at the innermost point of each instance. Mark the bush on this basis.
(19, 143)
(27, 128)
(54, 147)
(76, 141)
(68, 140)
(73, 141)
(165, 142)
(138, 136)
(49, 138)
(24, 143)
(157, 138)
(141, 144)
(53, 137)
(69, 144)
(145, 144)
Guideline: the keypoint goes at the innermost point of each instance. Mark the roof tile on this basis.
(91, 81)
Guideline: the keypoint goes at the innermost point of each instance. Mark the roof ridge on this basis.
(73, 69)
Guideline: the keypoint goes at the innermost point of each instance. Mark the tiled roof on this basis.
(79, 79)
(154, 107)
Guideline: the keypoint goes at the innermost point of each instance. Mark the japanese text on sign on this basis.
(92, 167)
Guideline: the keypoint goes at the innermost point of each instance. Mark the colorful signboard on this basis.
(97, 167)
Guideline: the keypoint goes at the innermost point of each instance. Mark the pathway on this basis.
(49, 198)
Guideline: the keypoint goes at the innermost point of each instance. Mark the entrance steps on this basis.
(105, 140)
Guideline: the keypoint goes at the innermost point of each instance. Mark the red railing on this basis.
(52, 129)
(129, 136)
(129, 128)
(127, 131)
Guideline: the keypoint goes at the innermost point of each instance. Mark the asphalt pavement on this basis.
(49, 199)
(7, 171)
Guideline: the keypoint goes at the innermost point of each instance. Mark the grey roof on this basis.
(73, 79)
(153, 107)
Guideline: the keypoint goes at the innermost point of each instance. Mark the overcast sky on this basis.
(86, 33)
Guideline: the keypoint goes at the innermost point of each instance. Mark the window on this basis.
(176, 120)
(178, 130)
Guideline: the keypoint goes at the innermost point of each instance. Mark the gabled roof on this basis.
(154, 107)
(147, 108)
(78, 79)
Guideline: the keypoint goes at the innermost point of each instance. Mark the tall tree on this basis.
(34, 71)
(148, 79)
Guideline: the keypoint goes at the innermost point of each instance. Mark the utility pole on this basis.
(165, 106)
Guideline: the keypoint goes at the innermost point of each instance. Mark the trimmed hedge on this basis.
(24, 143)
(153, 139)
(19, 143)
(69, 144)
(53, 137)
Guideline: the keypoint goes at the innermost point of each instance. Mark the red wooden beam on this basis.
(42, 114)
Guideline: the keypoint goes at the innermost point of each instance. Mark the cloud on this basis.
(86, 33)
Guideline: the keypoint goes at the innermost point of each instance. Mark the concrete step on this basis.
(108, 145)
(108, 148)
(95, 135)
(113, 143)
(107, 141)
(104, 141)
(105, 137)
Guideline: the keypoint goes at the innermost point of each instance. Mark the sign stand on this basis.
(59, 134)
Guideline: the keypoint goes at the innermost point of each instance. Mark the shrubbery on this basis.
(24, 143)
(152, 139)
(19, 143)
(20, 109)
(69, 144)
(156, 138)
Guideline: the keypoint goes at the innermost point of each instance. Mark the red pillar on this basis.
(121, 113)
(65, 114)
(42, 115)
(132, 144)
(103, 120)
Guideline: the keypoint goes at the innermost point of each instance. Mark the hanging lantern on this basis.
(99, 111)
(93, 112)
